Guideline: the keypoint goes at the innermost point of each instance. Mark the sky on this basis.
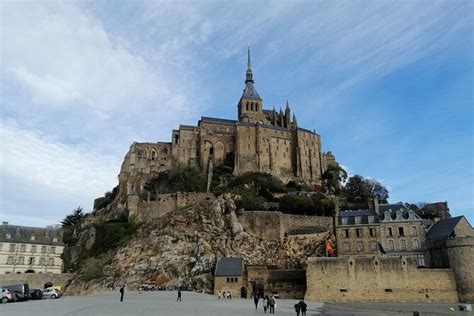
(387, 84)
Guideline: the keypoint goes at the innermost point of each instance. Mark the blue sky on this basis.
(387, 84)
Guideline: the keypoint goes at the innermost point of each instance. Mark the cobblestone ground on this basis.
(164, 303)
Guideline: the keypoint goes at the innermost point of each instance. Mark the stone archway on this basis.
(219, 153)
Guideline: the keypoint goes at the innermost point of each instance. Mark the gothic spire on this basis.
(249, 75)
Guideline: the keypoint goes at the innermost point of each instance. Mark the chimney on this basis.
(376, 205)
(4, 223)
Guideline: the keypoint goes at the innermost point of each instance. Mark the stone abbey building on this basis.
(259, 140)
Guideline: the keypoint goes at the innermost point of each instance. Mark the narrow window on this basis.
(360, 246)
(414, 232)
(247, 106)
(346, 233)
(403, 245)
(31, 261)
(228, 280)
(389, 232)
(391, 245)
(347, 247)
(359, 232)
(33, 249)
(373, 245)
(372, 232)
(400, 231)
(416, 244)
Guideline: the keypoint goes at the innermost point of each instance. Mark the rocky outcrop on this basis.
(182, 248)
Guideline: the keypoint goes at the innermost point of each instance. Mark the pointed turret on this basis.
(249, 75)
(295, 124)
(274, 117)
(281, 118)
(250, 93)
(287, 115)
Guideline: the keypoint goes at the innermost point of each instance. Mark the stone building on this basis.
(30, 250)
(259, 140)
(438, 236)
(391, 228)
(229, 276)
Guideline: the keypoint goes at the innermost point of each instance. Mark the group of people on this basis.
(268, 303)
(300, 307)
(225, 295)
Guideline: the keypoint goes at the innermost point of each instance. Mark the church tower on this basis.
(250, 104)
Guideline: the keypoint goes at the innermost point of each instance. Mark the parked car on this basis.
(147, 287)
(52, 293)
(22, 291)
(36, 294)
(8, 296)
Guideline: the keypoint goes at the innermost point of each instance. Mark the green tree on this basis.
(261, 184)
(184, 179)
(74, 218)
(332, 179)
(361, 191)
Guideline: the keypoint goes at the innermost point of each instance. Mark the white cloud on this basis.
(37, 168)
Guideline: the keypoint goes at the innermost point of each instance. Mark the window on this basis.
(400, 231)
(247, 106)
(372, 232)
(43, 249)
(22, 248)
(391, 245)
(357, 220)
(416, 244)
(346, 233)
(420, 260)
(371, 219)
(8, 236)
(33, 249)
(21, 260)
(41, 262)
(31, 261)
(345, 221)
(32, 238)
(414, 232)
(236, 279)
(53, 249)
(10, 260)
(389, 232)
(360, 246)
(228, 280)
(12, 247)
(403, 245)
(359, 232)
(51, 261)
(347, 247)
(373, 246)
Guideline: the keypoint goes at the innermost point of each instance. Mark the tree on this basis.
(361, 191)
(178, 179)
(332, 179)
(74, 218)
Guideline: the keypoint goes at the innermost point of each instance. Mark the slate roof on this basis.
(356, 213)
(250, 92)
(229, 266)
(394, 207)
(22, 234)
(444, 228)
(219, 120)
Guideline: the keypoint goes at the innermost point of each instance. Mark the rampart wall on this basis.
(377, 279)
(35, 280)
(274, 225)
(461, 260)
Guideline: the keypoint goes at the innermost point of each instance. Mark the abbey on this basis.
(259, 140)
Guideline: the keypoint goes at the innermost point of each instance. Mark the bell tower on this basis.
(250, 104)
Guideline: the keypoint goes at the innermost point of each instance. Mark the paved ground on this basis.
(164, 303)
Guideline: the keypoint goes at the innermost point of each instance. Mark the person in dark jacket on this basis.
(122, 290)
(303, 308)
(179, 295)
(297, 308)
(255, 300)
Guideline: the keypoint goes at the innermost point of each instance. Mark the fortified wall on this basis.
(35, 280)
(275, 225)
(377, 279)
(143, 211)
(461, 260)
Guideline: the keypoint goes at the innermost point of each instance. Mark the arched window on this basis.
(247, 106)
(251, 106)
(153, 155)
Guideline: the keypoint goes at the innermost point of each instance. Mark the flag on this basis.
(329, 248)
(381, 250)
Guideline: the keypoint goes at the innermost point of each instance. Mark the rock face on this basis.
(182, 248)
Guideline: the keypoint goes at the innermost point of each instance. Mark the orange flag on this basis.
(329, 247)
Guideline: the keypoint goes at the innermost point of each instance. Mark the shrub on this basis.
(179, 179)
(108, 197)
(263, 184)
(250, 202)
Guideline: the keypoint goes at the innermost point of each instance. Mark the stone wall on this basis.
(224, 284)
(166, 203)
(35, 280)
(274, 225)
(377, 278)
(461, 260)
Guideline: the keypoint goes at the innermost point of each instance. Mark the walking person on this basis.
(297, 308)
(122, 290)
(268, 302)
(255, 300)
(303, 308)
(272, 305)
(265, 304)
(179, 295)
